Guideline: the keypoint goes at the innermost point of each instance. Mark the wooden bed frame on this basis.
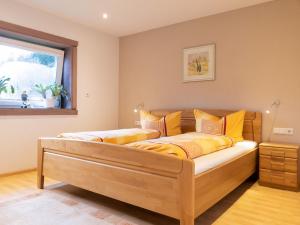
(157, 182)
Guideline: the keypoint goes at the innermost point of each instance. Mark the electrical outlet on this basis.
(288, 131)
(137, 123)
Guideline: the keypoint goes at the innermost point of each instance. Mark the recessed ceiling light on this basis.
(104, 16)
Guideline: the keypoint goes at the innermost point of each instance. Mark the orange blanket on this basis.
(189, 145)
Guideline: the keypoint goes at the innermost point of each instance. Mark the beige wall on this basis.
(97, 75)
(257, 61)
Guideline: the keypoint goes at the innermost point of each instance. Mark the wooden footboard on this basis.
(157, 182)
(153, 181)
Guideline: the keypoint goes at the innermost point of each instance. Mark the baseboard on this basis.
(17, 172)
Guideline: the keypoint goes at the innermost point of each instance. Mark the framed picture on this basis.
(199, 63)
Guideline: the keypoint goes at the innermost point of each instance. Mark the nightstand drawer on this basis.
(279, 152)
(278, 163)
(278, 178)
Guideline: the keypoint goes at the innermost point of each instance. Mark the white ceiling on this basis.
(133, 16)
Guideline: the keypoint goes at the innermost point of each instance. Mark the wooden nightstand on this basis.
(279, 166)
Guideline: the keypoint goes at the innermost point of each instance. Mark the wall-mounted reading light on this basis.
(139, 107)
(273, 106)
(273, 110)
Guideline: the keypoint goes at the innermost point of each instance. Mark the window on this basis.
(38, 72)
(26, 68)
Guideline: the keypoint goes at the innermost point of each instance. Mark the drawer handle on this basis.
(277, 163)
(277, 159)
(277, 173)
(277, 153)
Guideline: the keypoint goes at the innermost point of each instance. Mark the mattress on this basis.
(207, 162)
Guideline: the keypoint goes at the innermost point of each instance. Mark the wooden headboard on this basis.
(252, 125)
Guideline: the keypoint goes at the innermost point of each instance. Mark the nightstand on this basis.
(279, 166)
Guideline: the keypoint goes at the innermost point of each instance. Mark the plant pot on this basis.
(53, 102)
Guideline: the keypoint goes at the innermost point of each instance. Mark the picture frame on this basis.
(199, 63)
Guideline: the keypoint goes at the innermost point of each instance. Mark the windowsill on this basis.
(28, 112)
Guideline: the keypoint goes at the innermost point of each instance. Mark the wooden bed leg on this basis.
(187, 221)
(40, 182)
(187, 193)
(40, 158)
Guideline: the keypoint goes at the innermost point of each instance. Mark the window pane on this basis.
(26, 68)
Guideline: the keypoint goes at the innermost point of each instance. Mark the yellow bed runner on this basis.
(122, 136)
(188, 145)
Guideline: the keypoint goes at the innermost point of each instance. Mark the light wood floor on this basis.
(17, 184)
(250, 204)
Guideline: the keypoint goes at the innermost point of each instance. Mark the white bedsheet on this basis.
(207, 162)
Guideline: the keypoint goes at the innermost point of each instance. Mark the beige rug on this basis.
(52, 208)
(68, 205)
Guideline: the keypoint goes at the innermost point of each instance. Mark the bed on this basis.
(178, 188)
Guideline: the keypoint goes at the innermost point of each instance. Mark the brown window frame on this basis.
(69, 78)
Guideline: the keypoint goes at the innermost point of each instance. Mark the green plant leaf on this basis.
(41, 89)
(3, 84)
(12, 89)
(58, 90)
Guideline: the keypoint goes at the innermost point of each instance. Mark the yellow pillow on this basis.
(168, 125)
(231, 125)
(235, 124)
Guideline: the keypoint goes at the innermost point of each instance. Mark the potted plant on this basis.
(41, 89)
(57, 92)
(4, 85)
